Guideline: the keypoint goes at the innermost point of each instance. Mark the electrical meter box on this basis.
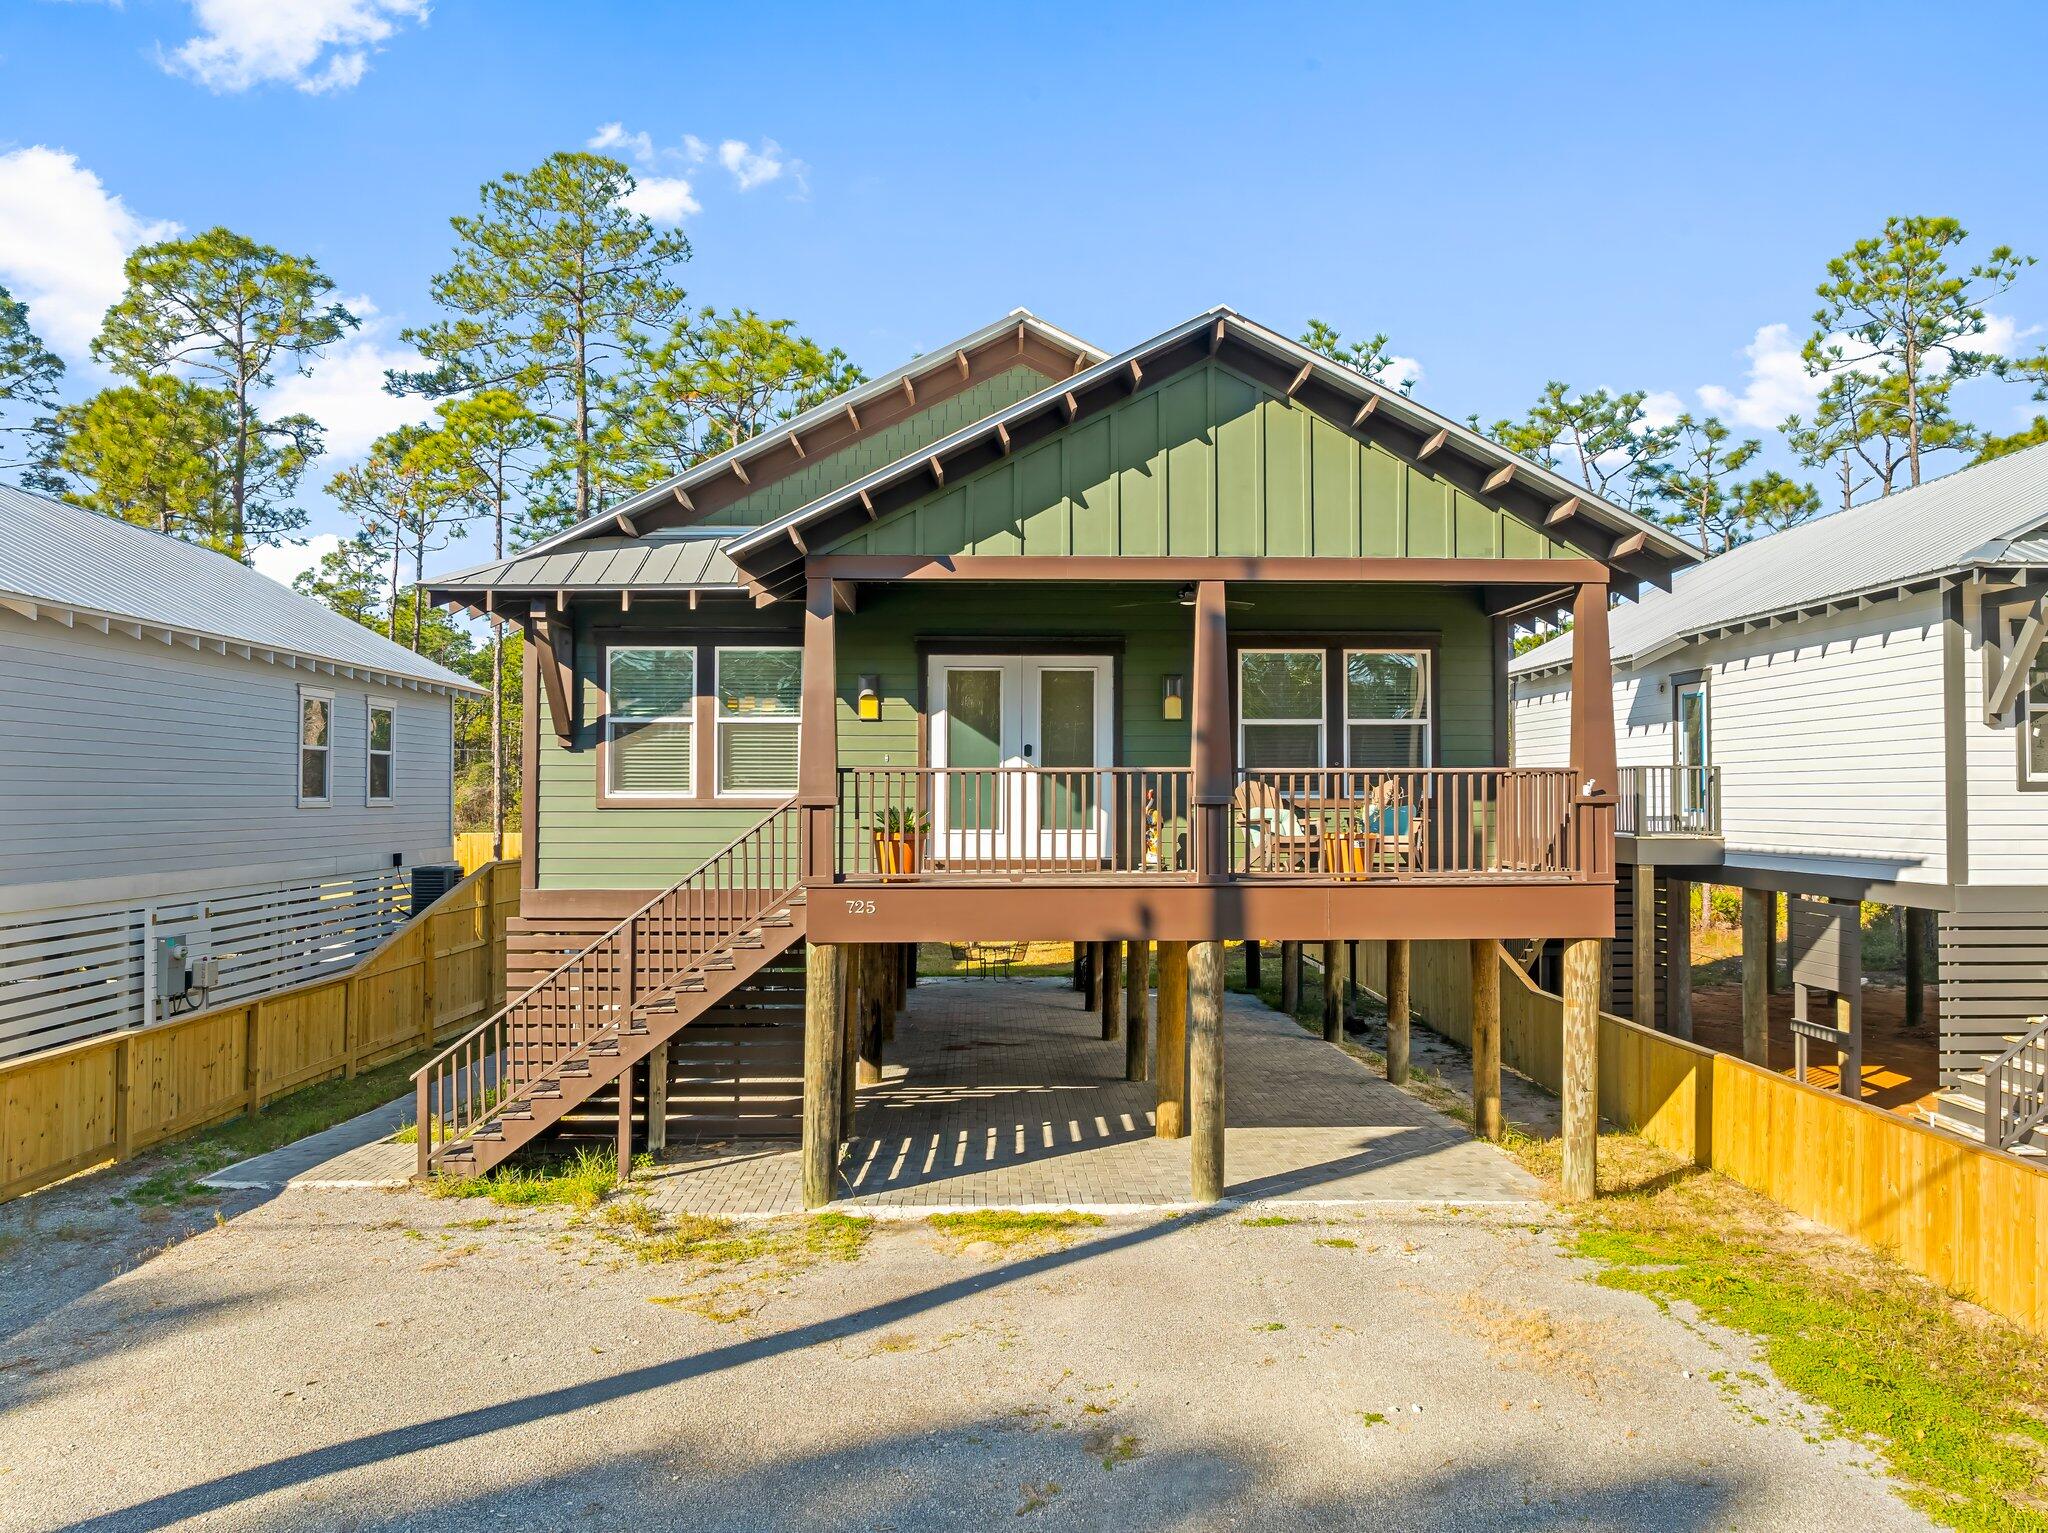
(173, 972)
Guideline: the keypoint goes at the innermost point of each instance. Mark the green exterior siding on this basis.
(1206, 463)
(883, 448)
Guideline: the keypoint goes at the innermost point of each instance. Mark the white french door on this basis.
(1021, 741)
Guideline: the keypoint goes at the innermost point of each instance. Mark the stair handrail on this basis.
(589, 997)
(2016, 1088)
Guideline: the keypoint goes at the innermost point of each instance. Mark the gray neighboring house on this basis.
(1856, 708)
(210, 786)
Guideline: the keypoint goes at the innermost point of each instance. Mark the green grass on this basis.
(578, 1180)
(1007, 1229)
(1268, 1221)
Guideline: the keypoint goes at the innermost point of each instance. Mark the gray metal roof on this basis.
(667, 559)
(1994, 513)
(79, 563)
(721, 464)
(749, 545)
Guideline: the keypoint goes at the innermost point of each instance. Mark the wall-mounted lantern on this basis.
(1173, 693)
(868, 705)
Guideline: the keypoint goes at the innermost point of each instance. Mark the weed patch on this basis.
(578, 1181)
(998, 1230)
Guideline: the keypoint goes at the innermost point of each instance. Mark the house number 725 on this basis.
(860, 907)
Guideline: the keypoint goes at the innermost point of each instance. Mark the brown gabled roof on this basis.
(772, 557)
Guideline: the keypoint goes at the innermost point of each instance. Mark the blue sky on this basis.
(1620, 196)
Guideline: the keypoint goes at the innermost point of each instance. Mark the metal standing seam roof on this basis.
(1389, 401)
(664, 560)
(1992, 513)
(721, 464)
(64, 558)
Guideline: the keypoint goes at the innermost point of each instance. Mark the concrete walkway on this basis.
(1003, 1094)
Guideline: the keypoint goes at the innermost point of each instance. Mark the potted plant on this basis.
(899, 839)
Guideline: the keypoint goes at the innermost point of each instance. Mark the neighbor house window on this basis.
(1280, 707)
(383, 751)
(1386, 708)
(759, 694)
(316, 745)
(650, 744)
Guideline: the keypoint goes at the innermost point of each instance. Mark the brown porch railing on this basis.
(1669, 801)
(1409, 825)
(904, 823)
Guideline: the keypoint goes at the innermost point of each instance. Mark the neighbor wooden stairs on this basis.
(582, 1026)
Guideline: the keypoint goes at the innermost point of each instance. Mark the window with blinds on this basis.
(760, 694)
(1386, 708)
(316, 747)
(1280, 707)
(651, 692)
(383, 753)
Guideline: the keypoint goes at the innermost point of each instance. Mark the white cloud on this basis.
(613, 135)
(1661, 409)
(752, 167)
(286, 562)
(1401, 372)
(63, 237)
(345, 389)
(2002, 336)
(315, 45)
(663, 199)
(694, 149)
(1777, 384)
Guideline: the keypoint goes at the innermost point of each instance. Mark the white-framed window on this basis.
(759, 693)
(650, 727)
(316, 748)
(1280, 708)
(2034, 723)
(1386, 707)
(380, 770)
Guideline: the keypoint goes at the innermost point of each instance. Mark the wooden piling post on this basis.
(625, 1142)
(1678, 958)
(1252, 976)
(876, 1008)
(1581, 1094)
(1205, 1069)
(1112, 990)
(1088, 962)
(1485, 961)
(1290, 977)
(1771, 944)
(1756, 975)
(1642, 1008)
(1170, 1119)
(657, 1099)
(853, 983)
(1398, 1041)
(1137, 1036)
(821, 1073)
(1916, 967)
(1333, 993)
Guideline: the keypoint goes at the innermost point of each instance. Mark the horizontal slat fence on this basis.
(1971, 1219)
(105, 1098)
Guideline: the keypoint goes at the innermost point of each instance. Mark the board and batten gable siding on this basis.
(144, 768)
(1206, 463)
(881, 449)
(583, 845)
(1828, 734)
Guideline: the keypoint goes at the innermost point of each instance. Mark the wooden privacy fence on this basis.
(473, 848)
(105, 1098)
(1971, 1219)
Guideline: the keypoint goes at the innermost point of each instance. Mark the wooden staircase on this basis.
(2006, 1103)
(582, 1026)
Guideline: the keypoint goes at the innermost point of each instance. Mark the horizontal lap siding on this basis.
(120, 757)
(1540, 726)
(1206, 463)
(2008, 823)
(881, 449)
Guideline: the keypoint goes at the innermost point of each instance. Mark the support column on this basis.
(1333, 992)
(625, 1144)
(1171, 1117)
(1581, 1094)
(1112, 990)
(853, 984)
(1678, 958)
(1485, 961)
(1205, 1069)
(1137, 1036)
(1212, 737)
(870, 1019)
(1290, 977)
(892, 985)
(657, 1099)
(817, 760)
(1087, 965)
(1756, 987)
(1397, 1011)
(1916, 967)
(1643, 989)
(820, 1154)
(1251, 965)
(1771, 944)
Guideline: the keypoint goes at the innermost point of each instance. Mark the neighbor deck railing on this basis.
(1669, 801)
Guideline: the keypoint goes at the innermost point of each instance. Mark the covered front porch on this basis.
(1004, 1094)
